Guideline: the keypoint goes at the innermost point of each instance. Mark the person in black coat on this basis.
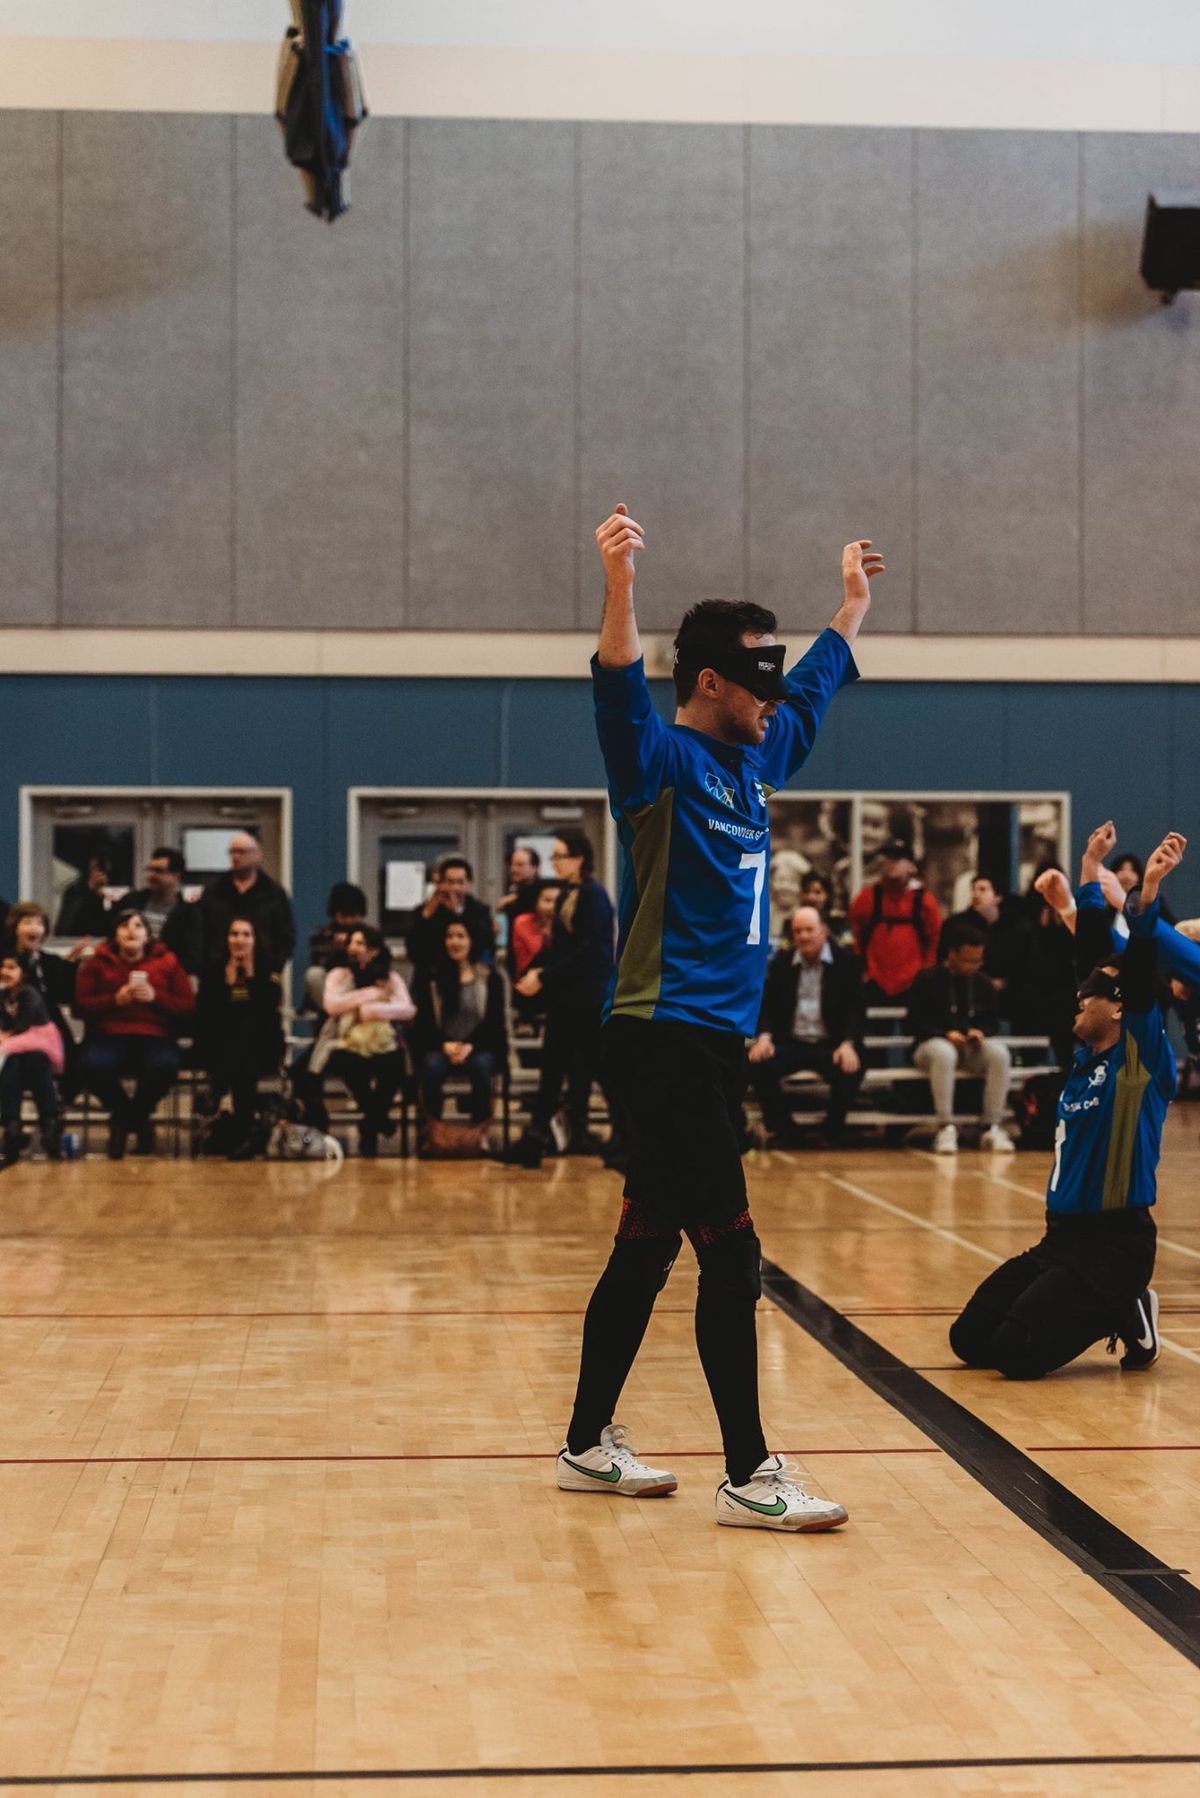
(953, 1017)
(248, 892)
(82, 911)
(239, 1033)
(572, 977)
(813, 1016)
(1007, 946)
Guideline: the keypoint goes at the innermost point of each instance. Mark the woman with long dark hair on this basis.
(133, 996)
(366, 1005)
(462, 1025)
(239, 1034)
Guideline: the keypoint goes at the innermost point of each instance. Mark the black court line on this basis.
(659, 1770)
(1154, 1592)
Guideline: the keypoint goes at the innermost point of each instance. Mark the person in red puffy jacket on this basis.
(133, 996)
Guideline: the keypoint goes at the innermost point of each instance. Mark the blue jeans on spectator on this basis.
(479, 1068)
(28, 1073)
(151, 1062)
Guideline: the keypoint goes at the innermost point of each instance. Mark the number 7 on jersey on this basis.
(757, 861)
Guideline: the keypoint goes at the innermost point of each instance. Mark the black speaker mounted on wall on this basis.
(1171, 242)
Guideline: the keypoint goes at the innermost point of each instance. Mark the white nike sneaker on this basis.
(998, 1141)
(612, 1466)
(1141, 1334)
(946, 1140)
(774, 1499)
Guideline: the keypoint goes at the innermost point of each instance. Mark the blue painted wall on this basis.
(1125, 750)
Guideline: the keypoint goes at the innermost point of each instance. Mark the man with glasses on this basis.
(172, 919)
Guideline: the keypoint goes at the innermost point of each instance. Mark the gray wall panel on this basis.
(831, 419)
(1141, 401)
(147, 385)
(997, 381)
(320, 389)
(663, 303)
(492, 375)
(28, 368)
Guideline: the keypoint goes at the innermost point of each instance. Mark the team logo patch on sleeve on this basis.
(716, 786)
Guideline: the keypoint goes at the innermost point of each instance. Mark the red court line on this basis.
(204, 1316)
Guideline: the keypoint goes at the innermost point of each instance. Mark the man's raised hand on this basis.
(860, 564)
(1100, 844)
(1167, 856)
(619, 539)
(1055, 889)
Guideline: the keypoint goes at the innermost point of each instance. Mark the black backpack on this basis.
(1036, 1110)
(319, 103)
(915, 920)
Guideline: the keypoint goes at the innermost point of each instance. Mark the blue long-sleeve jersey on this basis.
(1110, 1115)
(692, 815)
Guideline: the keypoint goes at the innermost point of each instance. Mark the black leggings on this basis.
(1045, 1307)
(729, 1288)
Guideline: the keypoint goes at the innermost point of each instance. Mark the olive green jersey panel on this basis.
(639, 976)
(1132, 1082)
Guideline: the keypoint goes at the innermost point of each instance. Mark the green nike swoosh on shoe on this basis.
(775, 1510)
(612, 1475)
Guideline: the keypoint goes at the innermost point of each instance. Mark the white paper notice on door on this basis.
(404, 886)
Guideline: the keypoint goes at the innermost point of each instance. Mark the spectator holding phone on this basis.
(133, 995)
(30, 1057)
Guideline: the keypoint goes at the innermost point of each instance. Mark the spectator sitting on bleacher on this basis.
(83, 910)
(247, 891)
(461, 1025)
(174, 921)
(953, 1019)
(451, 901)
(816, 891)
(895, 921)
(239, 1035)
(345, 907)
(812, 1019)
(524, 884)
(533, 929)
(30, 1056)
(53, 976)
(133, 996)
(1007, 949)
(366, 1003)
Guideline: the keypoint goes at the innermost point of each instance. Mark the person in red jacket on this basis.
(133, 995)
(896, 923)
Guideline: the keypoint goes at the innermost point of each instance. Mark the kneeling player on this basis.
(1089, 1277)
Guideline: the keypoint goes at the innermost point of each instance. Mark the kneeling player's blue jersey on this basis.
(1111, 1112)
(692, 816)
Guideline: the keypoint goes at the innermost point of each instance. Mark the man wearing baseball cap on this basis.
(896, 923)
(1089, 1276)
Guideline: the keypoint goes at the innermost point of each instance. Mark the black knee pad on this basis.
(733, 1264)
(644, 1262)
(972, 1345)
(1014, 1354)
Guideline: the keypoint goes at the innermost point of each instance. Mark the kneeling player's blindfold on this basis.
(760, 670)
(1100, 985)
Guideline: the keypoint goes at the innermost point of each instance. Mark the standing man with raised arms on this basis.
(690, 800)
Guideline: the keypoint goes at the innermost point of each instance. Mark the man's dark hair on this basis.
(964, 936)
(346, 901)
(526, 849)
(714, 623)
(577, 843)
(174, 860)
(445, 864)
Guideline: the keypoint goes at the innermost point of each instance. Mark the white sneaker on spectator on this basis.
(774, 1499)
(997, 1140)
(946, 1140)
(612, 1466)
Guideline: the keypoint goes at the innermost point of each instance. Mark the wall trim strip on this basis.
(565, 655)
(413, 81)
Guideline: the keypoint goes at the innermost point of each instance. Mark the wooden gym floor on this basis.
(276, 1497)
